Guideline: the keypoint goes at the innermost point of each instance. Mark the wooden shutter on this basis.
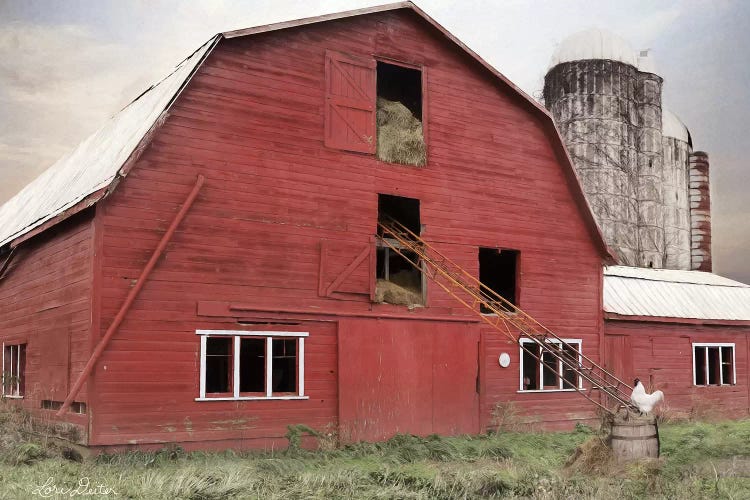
(350, 103)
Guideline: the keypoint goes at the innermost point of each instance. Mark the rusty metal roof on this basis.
(666, 293)
(92, 166)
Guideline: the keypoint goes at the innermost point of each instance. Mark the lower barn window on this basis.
(544, 371)
(713, 364)
(237, 364)
(14, 370)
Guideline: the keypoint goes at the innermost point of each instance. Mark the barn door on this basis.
(350, 103)
(619, 357)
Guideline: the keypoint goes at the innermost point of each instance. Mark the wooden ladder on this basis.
(505, 317)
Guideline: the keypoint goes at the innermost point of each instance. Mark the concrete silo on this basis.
(631, 155)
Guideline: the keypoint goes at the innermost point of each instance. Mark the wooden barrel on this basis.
(634, 439)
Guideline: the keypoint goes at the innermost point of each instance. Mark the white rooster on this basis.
(643, 401)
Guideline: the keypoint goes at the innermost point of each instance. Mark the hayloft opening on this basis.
(399, 115)
(398, 281)
(498, 272)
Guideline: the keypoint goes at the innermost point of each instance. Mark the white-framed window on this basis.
(14, 370)
(536, 374)
(713, 364)
(251, 365)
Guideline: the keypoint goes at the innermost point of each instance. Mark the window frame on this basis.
(237, 336)
(705, 366)
(20, 388)
(540, 367)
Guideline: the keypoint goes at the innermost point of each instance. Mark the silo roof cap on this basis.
(601, 44)
(671, 126)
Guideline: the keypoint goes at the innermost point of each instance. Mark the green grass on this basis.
(699, 461)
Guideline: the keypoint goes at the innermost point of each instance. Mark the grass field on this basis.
(700, 460)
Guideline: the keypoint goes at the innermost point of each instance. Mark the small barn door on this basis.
(619, 357)
(350, 102)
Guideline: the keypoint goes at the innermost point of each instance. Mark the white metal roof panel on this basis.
(632, 291)
(95, 163)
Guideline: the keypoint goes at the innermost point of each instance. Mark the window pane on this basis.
(218, 364)
(713, 366)
(253, 365)
(530, 368)
(727, 369)
(550, 376)
(284, 377)
(570, 377)
(700, 366)
(21, 368)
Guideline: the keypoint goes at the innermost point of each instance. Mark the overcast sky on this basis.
(66, 66)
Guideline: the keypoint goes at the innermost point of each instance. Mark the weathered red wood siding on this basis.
(252, 122)
(45, 301)
(662, 358)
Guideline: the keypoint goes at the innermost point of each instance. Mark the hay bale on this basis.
(594, 456)
(392, 293)
(400, 136)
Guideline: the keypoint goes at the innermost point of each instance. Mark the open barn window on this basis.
(545, 371)
(374, 107)
(399, 281)
(498, 271)
(713, 364)
(399, 115)
(240, 365)
(14, 370)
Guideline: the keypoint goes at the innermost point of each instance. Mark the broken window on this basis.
(14, 370)
(251, 365)
(399, 115)
(399, 279)
(713, 364)
(498, 271)
(545, 370)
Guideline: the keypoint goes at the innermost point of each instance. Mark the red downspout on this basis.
(131, 297)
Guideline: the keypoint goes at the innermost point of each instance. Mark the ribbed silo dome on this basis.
(672, 126)
(594, 44)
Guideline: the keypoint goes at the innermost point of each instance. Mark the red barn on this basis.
(206, 269)
(684, 332)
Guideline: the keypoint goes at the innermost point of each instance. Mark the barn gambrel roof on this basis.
(92, 170)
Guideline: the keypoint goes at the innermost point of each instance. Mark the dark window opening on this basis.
(570, 377)
(14, 370)
(284, 377)
(549, 370)
(700, 366)
(218, 364)
(530, 368)
(399, 115)
(727, 368)
(398, 277)
(713, 366)
(253, 365)
(498, 272)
